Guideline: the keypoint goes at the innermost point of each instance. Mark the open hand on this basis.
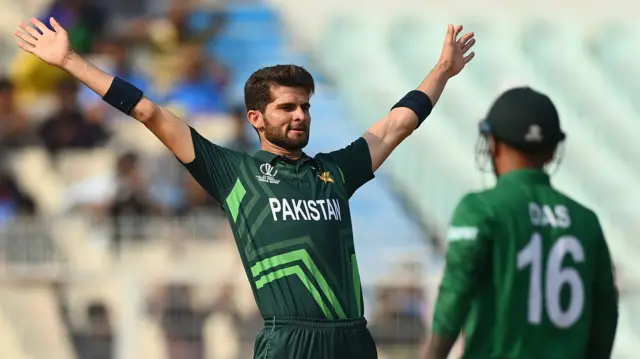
(52, 47)
(454, 52)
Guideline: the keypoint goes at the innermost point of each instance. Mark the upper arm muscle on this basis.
(386, 134)
(168, 128)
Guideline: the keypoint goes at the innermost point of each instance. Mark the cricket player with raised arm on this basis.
(528, 273)
(289, 212)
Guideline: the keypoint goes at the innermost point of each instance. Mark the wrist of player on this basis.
(71, 62)
(444, 69)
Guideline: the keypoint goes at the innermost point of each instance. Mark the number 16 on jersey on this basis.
(544, 293)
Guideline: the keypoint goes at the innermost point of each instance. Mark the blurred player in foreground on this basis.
(528, 273)
(289, 212)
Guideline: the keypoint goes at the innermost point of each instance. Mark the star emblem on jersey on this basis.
(268, 174)
(326, 177)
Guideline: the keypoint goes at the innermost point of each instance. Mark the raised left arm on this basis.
(386, 134)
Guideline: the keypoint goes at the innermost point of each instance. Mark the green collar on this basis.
(269, 157)
(528, 175)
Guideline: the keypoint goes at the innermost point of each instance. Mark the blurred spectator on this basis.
(83, 21)
(203, 216)
(384, 312)
(182, 25)
(196, 198)
(67, 128)
(122, 191)
(24, 238)
(413, 302)
(34, 80)
(225, 303)
(201, 90)
(96, 341)
(132, 202)
(15, 131)
(394, 321)
(181, 322)
(122, 12)
(13, 202)
(113, 55)
(244, 141)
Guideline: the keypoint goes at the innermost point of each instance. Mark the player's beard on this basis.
(281, 138)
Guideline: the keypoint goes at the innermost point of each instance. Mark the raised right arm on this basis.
(167, 127)
(53, 47)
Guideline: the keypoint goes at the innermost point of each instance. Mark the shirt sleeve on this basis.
(354, 163)
(215, 168)
(605, 308)
(466, 259)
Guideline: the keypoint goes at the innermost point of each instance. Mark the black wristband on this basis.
(123, 95)
(418, 102)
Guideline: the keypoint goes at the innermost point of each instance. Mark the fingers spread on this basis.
(466, 47)
(29, 30)
(25, 46)
(26, 38)
(42, 27)
(458, 29)
(469, 57)
(56, 25)
(465, 38)
(451, 37)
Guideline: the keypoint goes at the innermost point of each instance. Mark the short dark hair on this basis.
(257, 89)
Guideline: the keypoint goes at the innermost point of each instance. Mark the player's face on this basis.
(286, 120)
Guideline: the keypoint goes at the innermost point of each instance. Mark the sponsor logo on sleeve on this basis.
(462, 234)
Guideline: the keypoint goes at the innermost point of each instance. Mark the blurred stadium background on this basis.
(107, 248)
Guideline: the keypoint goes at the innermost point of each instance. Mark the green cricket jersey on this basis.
(292, 226)
(528, 275)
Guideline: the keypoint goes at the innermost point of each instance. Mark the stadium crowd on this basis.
(98, 166)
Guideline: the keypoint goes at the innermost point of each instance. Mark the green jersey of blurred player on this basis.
(528, 273)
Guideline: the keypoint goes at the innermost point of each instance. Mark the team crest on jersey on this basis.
(326, 177)
(268, 174)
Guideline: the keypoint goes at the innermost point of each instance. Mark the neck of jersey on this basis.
(525, 175)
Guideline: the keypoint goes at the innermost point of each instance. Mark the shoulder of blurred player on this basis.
(478, 203)
(574, 202)
(471, 218)
(579, 209)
